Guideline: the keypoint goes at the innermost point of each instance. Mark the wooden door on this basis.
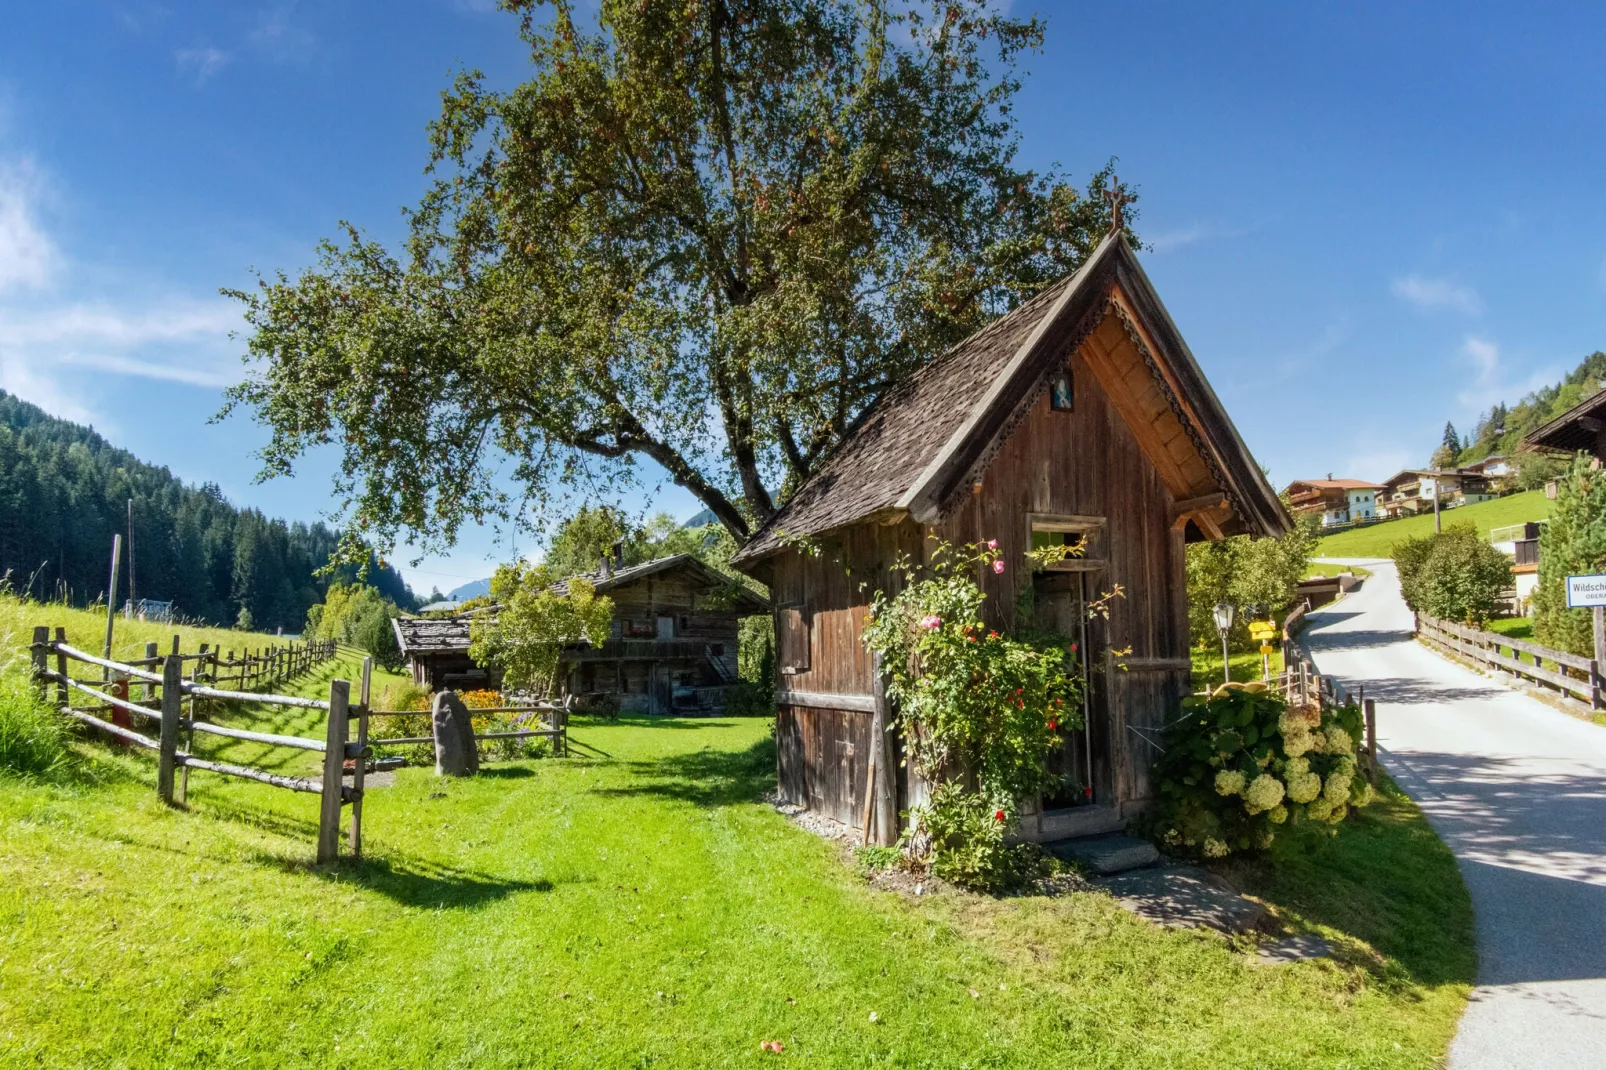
(1083, 757)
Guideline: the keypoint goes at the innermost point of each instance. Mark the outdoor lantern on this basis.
(1224, 625)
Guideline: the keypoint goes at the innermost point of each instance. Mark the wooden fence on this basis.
(1570, 678)
(555, 725)
(267, 666)
(162, 704)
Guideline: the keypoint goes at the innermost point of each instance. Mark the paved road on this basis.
(1518, 791)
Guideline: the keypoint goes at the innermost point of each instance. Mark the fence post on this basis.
(150, 663)
(62, 698)
(172, 710)
(41, 658)
(1370, 706)
(334, 758)
(363, 695)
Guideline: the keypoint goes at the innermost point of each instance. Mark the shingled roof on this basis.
(920, 440)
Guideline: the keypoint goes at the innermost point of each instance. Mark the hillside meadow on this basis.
(640, 904)
(1378, 540)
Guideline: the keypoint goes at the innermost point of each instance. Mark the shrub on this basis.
(968, 845)
(1242, 764)
(1574, 543)
(33, 737)
(1454, 575)
(749, 700)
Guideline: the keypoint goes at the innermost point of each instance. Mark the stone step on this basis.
(1108, 854)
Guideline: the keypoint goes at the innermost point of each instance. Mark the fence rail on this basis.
(165, 693)
(556, 722)
(1575, 680)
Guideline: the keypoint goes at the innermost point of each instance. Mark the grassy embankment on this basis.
(1377, 540)
(639, 905)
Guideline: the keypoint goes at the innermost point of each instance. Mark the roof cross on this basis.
(1116, 195)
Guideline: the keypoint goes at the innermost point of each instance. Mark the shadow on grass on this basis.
(1383, 878)
(506, 772)
(706, 777)
(411, 882)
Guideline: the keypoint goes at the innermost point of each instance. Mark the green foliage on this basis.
(1246, 572)
(979, 711)
(358, 616)
(968, 846)
(1535, 469)
(1241, 764)
(1454, 575)
(526, 636)
(33, 737)
(64, 491)
(1574, 543)
(1502, 429)
(705, 237)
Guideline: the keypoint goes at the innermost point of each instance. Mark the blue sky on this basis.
(1366, 219)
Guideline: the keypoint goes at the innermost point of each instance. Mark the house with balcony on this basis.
(672, 643)
(1336, 501)
(1520, 542)
(1413, 490)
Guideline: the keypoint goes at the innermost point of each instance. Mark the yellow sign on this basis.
(1262, 629)
(1268, 649)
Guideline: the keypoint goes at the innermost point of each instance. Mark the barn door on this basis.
(1082, 757)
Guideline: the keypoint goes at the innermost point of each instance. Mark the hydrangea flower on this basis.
(1297, 743)
(1296, 766)
(1277, 814)
(1303, 787)
(1264, 792)
(1338, 741)
(1336, 790)
(1319, 808)
(1214, 848)
(1229, 782)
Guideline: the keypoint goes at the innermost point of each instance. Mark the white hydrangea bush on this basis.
(1242, 765)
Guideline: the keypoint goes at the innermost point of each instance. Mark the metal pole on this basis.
(1438, 525)
(1226, 666)
(111, 602)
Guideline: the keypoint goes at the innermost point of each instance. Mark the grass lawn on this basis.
(1320, 568)
(86, 630)
(1377, 540)
(1245, 665)
(1512, 627)
(639, 905)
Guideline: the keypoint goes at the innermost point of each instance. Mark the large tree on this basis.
(706, 233)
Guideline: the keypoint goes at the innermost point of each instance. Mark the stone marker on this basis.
(455, 751)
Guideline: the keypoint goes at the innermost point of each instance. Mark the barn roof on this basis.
(1336, 484)
(922, 442)
(418, 635)
(1579, 428)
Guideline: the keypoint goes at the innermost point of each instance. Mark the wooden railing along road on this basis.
(1571, 679)
(163, 705)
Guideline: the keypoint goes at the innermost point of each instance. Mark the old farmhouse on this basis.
(1080, 415)
(672, 646)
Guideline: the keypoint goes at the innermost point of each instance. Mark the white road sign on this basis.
(1586, 592)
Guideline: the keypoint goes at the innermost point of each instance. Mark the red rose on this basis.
(999, 815)
(1053, 725)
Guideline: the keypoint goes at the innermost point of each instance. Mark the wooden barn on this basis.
(673, 643)
(1080, 415)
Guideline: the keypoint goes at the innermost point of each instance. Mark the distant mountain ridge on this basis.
(472, 589)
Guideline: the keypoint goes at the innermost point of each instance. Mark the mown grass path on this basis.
(641, 906)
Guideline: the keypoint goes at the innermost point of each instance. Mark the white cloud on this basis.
(161, 336)
(1489, 383)
(1437, 293)
(28, 258)
(280, 37)
(1165, 241)
(203, 63)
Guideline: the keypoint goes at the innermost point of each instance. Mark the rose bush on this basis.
(1241, 763)
(979, 711)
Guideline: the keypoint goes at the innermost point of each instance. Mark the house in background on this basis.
(672, 645)
(1413, 490)
(1495, 467)
(1336, 501)
(1520, 542)
(1080, 416)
